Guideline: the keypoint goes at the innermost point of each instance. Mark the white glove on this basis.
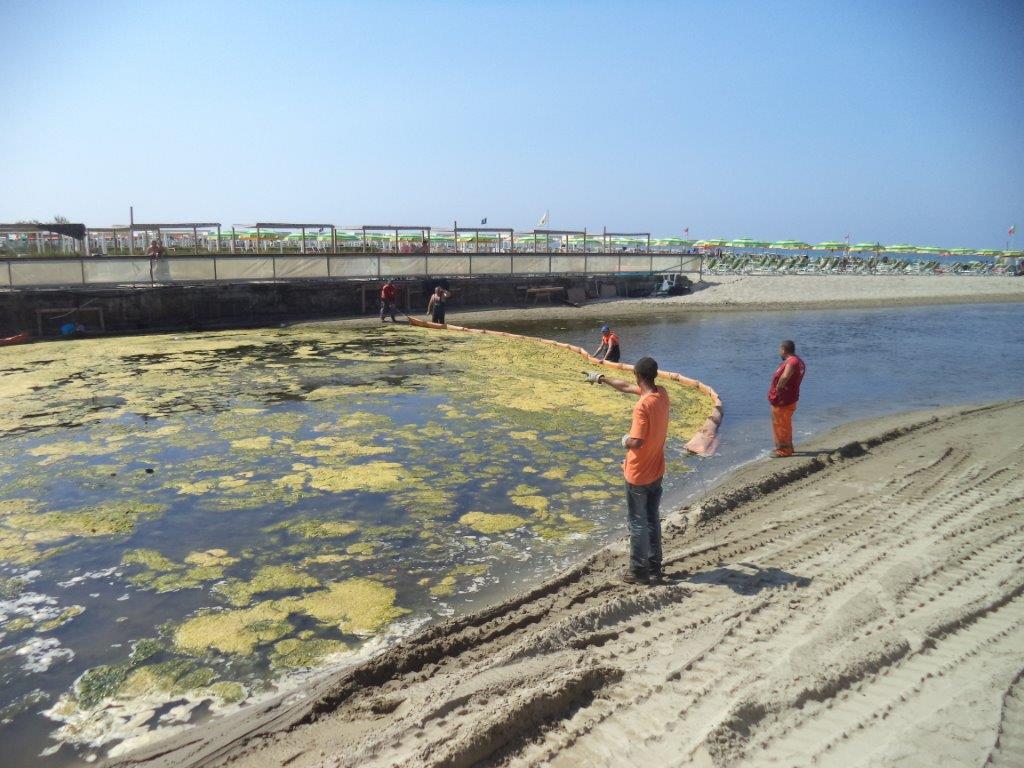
(594, 378)
(625, 438)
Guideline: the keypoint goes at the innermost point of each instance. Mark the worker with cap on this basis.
(609, 345)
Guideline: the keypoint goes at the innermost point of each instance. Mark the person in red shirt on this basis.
(609, 345)
(388, 295)
(783, 395)
(643, 468)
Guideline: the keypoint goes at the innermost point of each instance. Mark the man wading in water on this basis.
(609, 345)
(643, 468)
(783, 396)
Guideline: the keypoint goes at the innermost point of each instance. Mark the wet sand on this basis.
(859, 604)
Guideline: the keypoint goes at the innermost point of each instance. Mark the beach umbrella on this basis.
(962, 251)
(929, 249)
(1013, 254)
(719, 243)
(831, 246)
(989, 252)
(790, 245)
(867, 247)
(901, 248)
(746, 242)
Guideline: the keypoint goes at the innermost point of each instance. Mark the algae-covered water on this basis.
(191, 521)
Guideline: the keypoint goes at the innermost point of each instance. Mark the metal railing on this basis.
(22, 273)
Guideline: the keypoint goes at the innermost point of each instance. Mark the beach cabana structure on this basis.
(547, 234)
(41, 235)
(157, 231)
(487, 234)
(279, 231)
(634, 237)
(393, 231)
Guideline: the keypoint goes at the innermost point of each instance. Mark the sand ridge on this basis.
(861, 604)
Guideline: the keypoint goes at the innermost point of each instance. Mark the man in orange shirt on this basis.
(609, 345)
(643, 468)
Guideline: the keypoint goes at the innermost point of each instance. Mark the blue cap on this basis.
(605, 329)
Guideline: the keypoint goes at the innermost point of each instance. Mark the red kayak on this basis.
(18, 338)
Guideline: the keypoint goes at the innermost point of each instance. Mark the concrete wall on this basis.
(258, 303)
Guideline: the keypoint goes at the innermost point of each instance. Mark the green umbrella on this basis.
(745, 242)
(867, 247)
(718, 243)
(929, 249)
(790, 245)
(1013, 254)
(831, 246)
(901, 248)
(989, 253)
(962, 251)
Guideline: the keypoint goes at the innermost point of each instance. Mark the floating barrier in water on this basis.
(703, 443)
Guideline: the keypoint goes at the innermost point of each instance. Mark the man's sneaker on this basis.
(634, 577)
(657, 576)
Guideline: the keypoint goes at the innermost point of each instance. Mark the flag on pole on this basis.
(686, 231)
(1012, 230)
(483, 221)
(544, 219)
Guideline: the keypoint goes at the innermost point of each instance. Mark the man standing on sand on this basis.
(783, 396)
(387, 300)
(435, 307)
(609, 345)
(643, 468)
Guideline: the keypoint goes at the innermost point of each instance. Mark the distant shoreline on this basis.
(746, 293)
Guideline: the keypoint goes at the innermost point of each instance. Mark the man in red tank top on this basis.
(783, 395)
(388, 294)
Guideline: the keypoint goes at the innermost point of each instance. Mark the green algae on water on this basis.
(486, 522)
(269, 578)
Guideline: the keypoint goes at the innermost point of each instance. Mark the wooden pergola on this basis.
(131, 229)
(424, 231)
(606, 234)
(566, 233)
(76, 232)
(293, 227)
(487, 230)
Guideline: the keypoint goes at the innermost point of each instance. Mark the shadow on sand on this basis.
(747, 580)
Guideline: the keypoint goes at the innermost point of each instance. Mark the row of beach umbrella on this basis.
(799, 245)
(357, 236)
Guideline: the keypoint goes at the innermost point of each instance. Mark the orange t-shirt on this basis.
(610, 339)
(646, 464)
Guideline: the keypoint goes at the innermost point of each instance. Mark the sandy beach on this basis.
(857, 605)
(757, 292)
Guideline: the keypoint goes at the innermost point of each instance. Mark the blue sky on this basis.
(901, 122)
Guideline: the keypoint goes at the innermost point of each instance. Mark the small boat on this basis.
(18, 338)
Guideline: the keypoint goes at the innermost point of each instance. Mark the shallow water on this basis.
(861, 364)
(185, 519)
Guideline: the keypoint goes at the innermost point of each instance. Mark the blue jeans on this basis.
(643, 502)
